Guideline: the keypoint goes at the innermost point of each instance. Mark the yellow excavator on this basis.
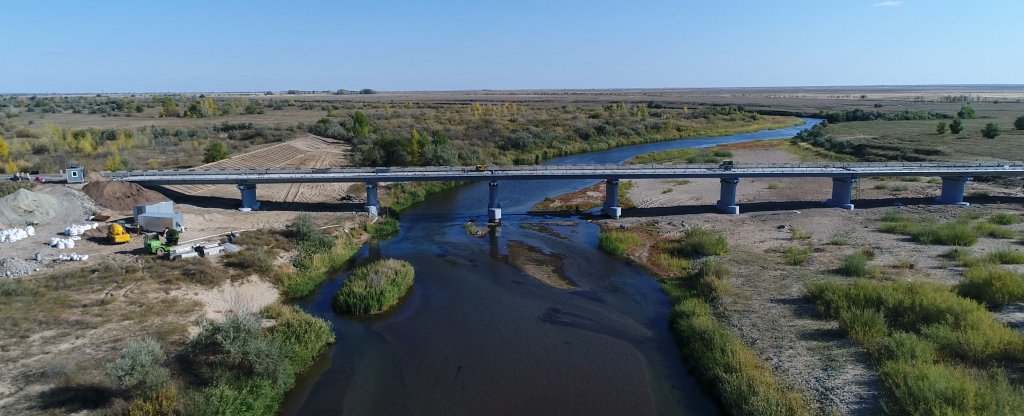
(117, 235)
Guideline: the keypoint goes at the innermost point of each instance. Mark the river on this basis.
(479, 336)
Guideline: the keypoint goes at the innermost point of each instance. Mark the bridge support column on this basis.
(953, 190)
(611, 199)
(842, 193)
(493, 207)
(372, 203)
(249, 196)
(727, 197)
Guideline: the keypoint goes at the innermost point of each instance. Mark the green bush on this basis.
(700, 242)
(375, 287)
(797, 256)
(139, 368)
(710, 279)
(618, 242)
(1006, 256)
(907, 347)
(864, 326)
(962, 256)
(742, 382)
(854, 265)
(384, 227)
(301, 336)
(237, 349)
(917, 388)
(255, 397)
(992, 285)
(1005, 219)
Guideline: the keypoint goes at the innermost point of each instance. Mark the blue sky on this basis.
(184, 45)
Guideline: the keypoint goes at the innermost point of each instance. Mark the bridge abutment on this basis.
(727, 196)
(953, 190)
(611, 206)
(842, 193)
(493, 207)
(249, 196)
(372, 203)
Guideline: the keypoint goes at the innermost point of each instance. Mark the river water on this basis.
(478, 336)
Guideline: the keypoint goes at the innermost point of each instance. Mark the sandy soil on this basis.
(242, 297)
(544, 267)
(766, 308)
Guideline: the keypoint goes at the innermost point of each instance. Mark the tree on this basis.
(203, 108)
(169, 108)
(215, 151)
(956, 126)
(991, 131)
(113, 163)
(966, 112)
(5, 150)
(941, 128)
(360, 124)
(1019, 123)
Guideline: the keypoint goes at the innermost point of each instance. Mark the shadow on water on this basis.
(477, 335)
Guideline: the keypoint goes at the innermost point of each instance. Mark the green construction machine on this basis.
(155, 246)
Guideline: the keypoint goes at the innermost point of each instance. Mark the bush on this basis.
(907, 347)
(915, 388)
(711, 279)
(618, 242)
(303, 229)
(1019, 123)
(253, 259)
(215, 151)
(201, 271)
(992, 285)
(139, 367)
(992, 230)
(854, 265)
(991, 131)
(797, 235)
(864, 326)
(249, 397)
(1005, 219)
(237, 349)
(374, 288)
(700, 242)
(302, 336)
(797, 256)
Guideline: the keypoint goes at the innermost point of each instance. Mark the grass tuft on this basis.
(618, 242)
(992, 285)
(1005, 219)
(797, 256)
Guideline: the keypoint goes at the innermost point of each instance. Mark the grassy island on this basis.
(374, 288)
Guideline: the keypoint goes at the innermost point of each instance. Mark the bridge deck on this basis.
(549, 172)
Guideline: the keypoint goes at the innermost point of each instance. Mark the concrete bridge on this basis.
(844, 175)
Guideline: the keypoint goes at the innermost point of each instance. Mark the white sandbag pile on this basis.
(62, 242)
(79, 229)
(73, 257)
(16, 234)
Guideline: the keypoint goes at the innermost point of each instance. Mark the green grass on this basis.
(618, 242)
(988, 229)
(1005, 219)
(797, 256)
(1006, 256)
(992, 285)
(735, 375)
(400, 196)
(700, 242)
(798, 234)
(374, 288)
(854, 265)
(936, 350)
(383, 228)
(953, 233)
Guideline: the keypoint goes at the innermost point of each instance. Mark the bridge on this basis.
(844, 175)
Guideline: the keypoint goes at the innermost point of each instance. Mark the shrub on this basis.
(374, 288)
(252, 259)
(303, 229)
(797, 234)
(237, 349)
(12, 288)
(302, 336)
(668, 265)
(838, 240)
(139, 367)
(1006, 256)
(854, 265)
(201, 271)
(797, 256)
(915, 388)
(991, 131)
(618, 242)
(962, 256)
(992, 285)
(1005, 219)
(907, 347)
(711, 279)
(256, 397)
(699, 242)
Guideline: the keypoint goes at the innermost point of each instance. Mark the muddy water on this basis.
(480, 335)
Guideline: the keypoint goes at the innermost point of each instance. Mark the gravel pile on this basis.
(26, 206)
(11, 268)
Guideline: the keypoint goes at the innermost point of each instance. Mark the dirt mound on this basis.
(24, 206)
(121, 196)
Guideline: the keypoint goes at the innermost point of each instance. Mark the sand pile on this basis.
(121, 196)
(26, 206)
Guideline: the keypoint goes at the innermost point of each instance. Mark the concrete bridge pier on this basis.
(372, 203)
(842, 193)
(953, 190)
(611, 199)
(727, 197)
(493, 207)
(249, 196)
